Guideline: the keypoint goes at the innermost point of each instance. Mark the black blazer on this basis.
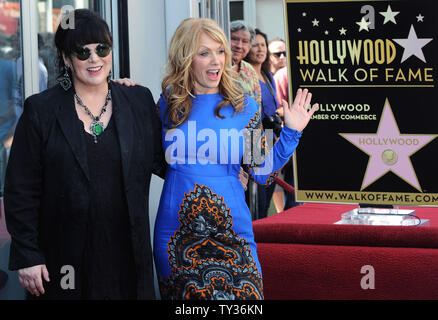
(46, 189)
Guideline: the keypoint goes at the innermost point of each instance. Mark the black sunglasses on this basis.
(278, 54)
(83, 53)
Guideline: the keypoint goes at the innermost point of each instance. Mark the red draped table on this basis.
(304, 255)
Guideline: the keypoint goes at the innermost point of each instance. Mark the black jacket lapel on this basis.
(71, 128)
(124, 121)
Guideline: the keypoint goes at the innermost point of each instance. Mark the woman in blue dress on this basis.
(204, 245)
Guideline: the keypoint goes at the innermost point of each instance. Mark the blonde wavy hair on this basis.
(179, 83)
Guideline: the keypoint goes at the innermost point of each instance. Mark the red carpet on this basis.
(304, 256)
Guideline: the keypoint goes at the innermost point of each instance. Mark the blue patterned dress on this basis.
(203, 242)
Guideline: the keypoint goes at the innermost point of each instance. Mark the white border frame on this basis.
(29, 46)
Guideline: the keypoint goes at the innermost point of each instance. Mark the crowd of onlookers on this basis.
(263, 74)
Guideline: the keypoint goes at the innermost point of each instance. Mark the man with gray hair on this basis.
(242, 37)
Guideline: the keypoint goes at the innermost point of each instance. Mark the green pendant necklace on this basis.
(96, 126)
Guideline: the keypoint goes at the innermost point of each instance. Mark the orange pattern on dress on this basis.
(208, 259)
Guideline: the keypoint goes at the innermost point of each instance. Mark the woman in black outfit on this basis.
(77, 182)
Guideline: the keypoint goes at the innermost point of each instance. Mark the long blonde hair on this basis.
(179, 83)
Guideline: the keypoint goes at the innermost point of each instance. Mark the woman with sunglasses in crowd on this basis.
(77, 183)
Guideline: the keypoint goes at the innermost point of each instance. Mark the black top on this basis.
(109, 268)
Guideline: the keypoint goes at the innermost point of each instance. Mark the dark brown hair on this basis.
(88, 28)
(266, 65)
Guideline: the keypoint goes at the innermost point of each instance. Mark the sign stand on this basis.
(381, 215)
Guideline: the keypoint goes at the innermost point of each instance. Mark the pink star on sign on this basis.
(389, 150)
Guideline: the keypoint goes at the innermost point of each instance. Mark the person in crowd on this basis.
(241, 38)
(7, 114)
(77, 182)
(204, 244)
(288, 201)
(42, 77)
(3, 279)
(282, 84)
(258, 57)
(277, 56)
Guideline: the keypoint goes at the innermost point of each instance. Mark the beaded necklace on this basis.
(96, 126)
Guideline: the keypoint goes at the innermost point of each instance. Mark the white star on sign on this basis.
(419, 18)
(315, 23)
(389, 15)
(363, 24)
(413, 45)
(342, 31)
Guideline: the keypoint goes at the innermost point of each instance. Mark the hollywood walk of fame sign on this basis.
(371, 66)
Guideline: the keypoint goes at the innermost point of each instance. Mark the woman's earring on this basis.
(65, 80)
(109, 77)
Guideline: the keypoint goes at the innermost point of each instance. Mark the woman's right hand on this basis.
(31, 278)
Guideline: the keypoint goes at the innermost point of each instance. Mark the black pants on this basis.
(288, 173)
(264, 199)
